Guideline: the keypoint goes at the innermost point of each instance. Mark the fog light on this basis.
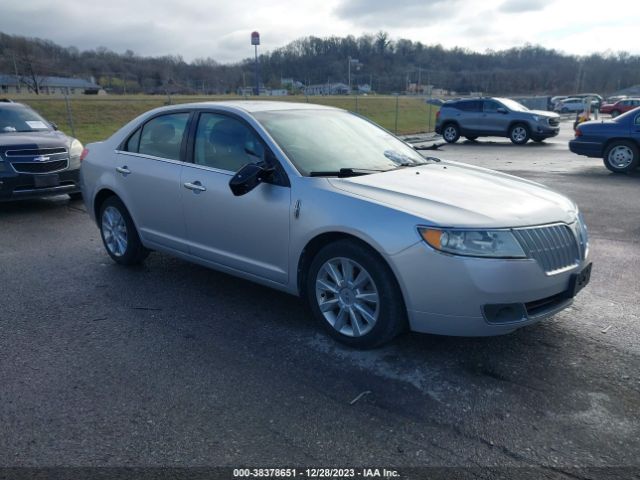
(501, 313)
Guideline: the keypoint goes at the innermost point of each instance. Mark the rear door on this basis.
(470, 116)
(148, 166)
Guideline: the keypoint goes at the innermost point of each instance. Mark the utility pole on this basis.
(255, 41)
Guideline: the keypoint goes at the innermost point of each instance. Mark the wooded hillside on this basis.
(387, 64)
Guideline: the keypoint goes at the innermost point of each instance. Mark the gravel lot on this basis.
(170, 364)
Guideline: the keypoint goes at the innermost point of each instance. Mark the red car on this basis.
(620, 106)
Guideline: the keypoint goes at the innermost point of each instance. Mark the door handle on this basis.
(195, 187)
(123, 170)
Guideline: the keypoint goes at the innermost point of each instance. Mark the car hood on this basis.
(48, 139)
(544, 113)
(457, 195)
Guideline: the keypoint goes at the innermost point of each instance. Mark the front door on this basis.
(249, 233)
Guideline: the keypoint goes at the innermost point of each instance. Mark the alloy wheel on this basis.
(347, 297)
(114, 231)
(519, 134)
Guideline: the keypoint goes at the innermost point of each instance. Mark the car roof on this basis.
(253, 106)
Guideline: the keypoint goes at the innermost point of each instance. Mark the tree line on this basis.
(388, 66)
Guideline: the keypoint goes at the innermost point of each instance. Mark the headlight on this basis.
(536, 118)
(76, 149)
(473, 243)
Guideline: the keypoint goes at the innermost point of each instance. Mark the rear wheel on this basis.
(621, 157)
(450, 133)
(615, 113)
(519, 134)
(119, 234)
(353, 293)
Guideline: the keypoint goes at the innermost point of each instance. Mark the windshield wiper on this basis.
(345, 172)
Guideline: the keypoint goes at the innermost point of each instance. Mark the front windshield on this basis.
(330, 140)
(21, 119)
(513, 105)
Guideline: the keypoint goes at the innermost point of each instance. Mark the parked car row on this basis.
(620, 106)
(314, 177)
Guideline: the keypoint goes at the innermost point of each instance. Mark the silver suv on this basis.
(495, 117)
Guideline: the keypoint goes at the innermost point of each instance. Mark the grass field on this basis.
(97, 117)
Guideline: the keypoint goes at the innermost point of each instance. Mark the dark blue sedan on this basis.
(616, 141)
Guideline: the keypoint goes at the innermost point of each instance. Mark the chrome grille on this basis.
(554, 247)
(33, 152)
(40, 167)
(554, 122)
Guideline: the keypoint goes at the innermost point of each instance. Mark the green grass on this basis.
(97, 117)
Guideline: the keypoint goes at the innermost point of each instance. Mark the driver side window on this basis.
(226, 143)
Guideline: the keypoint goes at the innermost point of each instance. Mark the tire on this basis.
(340, 272)
(119, 234)
(471, 138)
(75, 196)
(621, 156)
(450, 133)
(615, 113)
(519, 134)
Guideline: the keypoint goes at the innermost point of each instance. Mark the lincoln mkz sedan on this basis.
(321, 203)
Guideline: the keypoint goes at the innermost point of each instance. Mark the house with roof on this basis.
(12, 84)
(327, 89)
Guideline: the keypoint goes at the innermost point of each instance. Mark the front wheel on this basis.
(451, 133)
(519, 134)
(353, 293)
(621, 157)
(119, 234)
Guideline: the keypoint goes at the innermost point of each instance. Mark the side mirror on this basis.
(54, 125)
(501, 110)
(248, 178)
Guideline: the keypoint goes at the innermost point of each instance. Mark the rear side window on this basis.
(470, 106)
(161, 136)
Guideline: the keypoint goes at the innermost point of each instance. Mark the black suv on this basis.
(495, 117)
(35, 158)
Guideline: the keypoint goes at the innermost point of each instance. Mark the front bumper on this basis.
(453, 295)
(14, 186)
(543, 131)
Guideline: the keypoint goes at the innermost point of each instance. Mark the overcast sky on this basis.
(220, 29)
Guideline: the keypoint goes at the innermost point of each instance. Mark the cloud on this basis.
(381, 14)
(519, 6)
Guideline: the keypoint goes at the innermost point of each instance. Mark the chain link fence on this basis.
(94, 118)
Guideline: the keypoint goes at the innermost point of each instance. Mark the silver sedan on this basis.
(321, 203)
